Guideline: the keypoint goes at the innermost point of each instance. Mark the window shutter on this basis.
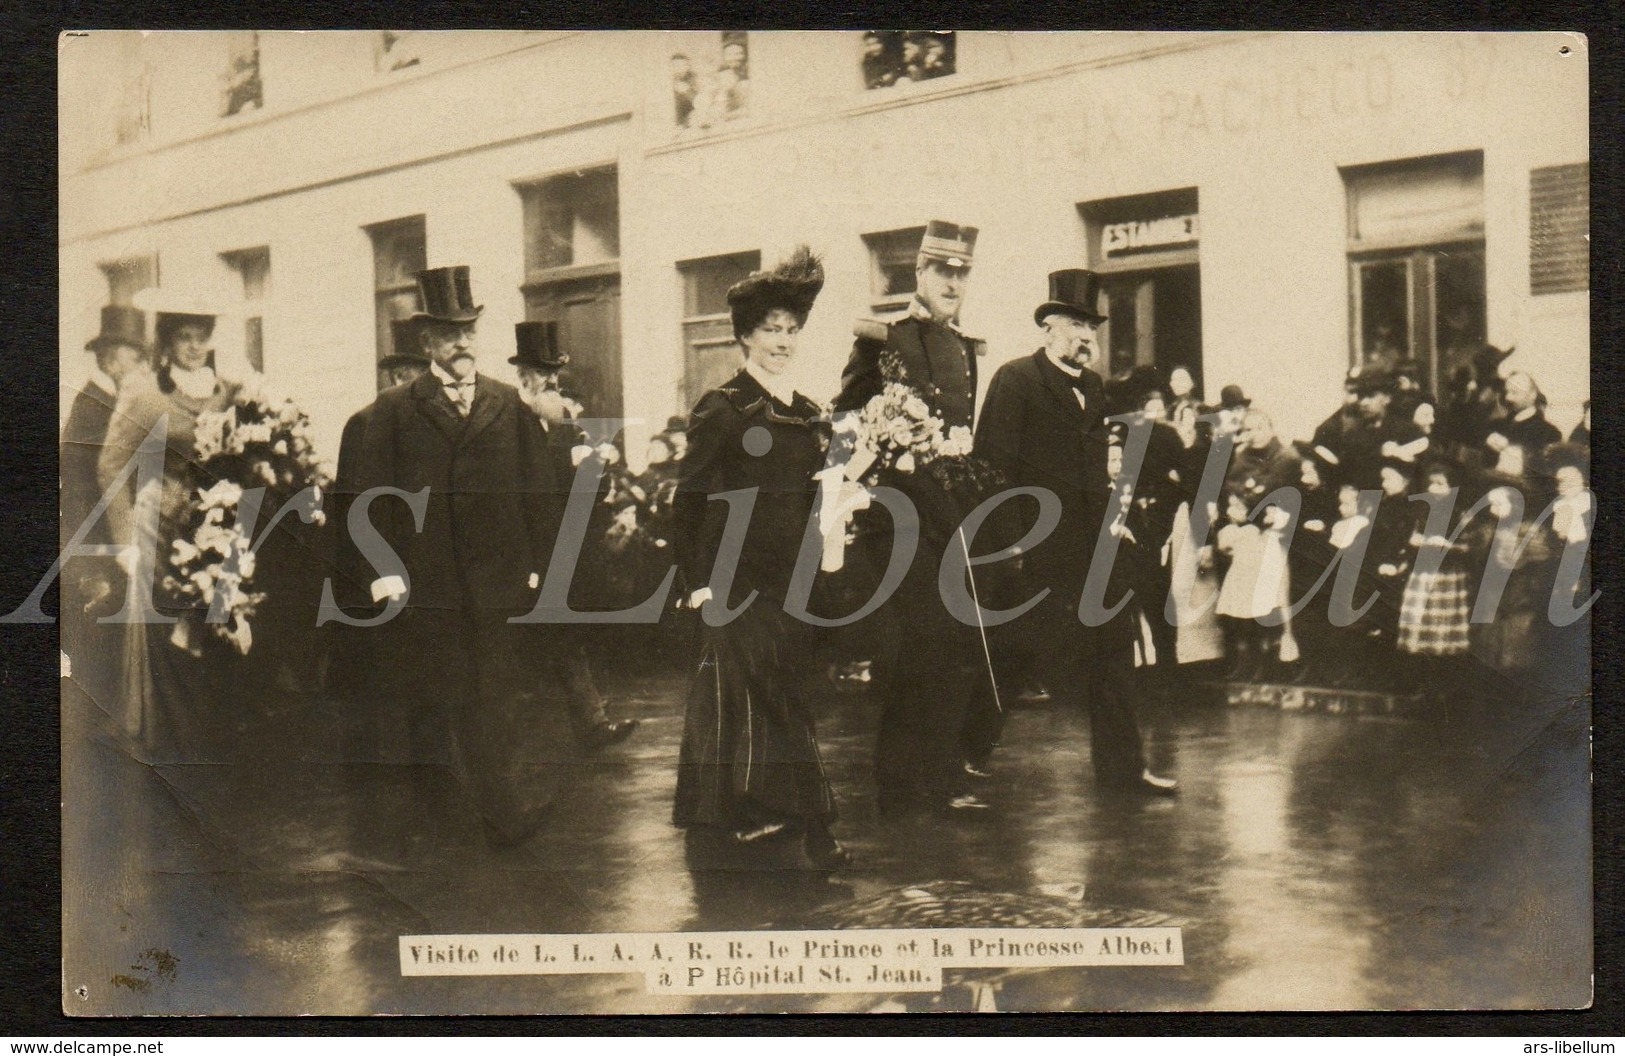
(1559, 225)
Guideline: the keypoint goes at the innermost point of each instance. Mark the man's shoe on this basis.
(826, 852)
(978, 772)
(964, 806)
(604, 734)
(1157, 786)
(1034, 694)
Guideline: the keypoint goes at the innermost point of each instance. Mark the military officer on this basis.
(930, 670)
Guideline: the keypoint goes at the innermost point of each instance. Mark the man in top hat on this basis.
(933, 356)
(1044, 425)
(121, 352)
(561, 650)
(348, 668)
(487, 530)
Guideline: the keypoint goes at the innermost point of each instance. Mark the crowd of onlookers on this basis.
(1519, 500)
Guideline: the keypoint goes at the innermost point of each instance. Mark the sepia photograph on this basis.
(879, 520)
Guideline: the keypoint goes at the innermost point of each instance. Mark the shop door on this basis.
(588, 312)
(1155, 320)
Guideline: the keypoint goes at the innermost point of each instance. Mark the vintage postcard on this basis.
(869, 521)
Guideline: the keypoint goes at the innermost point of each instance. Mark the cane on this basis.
(987, 653)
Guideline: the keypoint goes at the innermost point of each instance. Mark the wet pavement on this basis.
(1437, 858)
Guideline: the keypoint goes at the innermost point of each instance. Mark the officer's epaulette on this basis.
(977, 345)
(868, 329)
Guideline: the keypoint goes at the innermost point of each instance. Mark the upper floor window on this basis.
(892, 255)
(127, 277)
(892, 56)
(244, 91)
(711, 84)
(135, 107)
(253, 268)
(396, 49)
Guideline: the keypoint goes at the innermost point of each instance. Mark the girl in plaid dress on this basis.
(1436, 605)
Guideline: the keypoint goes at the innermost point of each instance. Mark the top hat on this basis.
(447, 295)
(1231, 397)
(1074, 292)
(121, 325)
(537, 345)
(1369, 382)
(949, 243)
(408, 348)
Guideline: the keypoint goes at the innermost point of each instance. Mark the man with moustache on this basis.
(930, 669)
(488, 524)
(1043, 425)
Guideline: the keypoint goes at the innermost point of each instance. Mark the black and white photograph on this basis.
(879, 520)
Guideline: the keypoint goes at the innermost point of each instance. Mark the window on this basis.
(400, 249)
(711, 356)
(397, 49)
(243, 88)
(573, 277)
(711, 85)
(897, 57)
(253, 268)
(572, 221)
(135, 108)
(1559, 222)
(127, 277)
(891, 267)
(1416, 265)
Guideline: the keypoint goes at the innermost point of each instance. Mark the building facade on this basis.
(1269, 209)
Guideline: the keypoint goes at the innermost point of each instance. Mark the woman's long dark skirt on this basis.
(750, 753)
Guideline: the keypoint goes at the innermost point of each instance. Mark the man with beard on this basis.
(472, 560)
(1044, 425)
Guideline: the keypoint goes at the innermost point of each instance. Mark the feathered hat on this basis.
(793, 285)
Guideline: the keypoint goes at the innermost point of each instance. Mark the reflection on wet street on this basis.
(1437, 859)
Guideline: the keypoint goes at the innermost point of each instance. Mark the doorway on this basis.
(1155, 320)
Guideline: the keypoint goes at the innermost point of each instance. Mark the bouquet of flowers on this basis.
(897, 429)
(257, 443)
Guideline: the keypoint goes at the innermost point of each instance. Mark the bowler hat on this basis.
(406, 346)
(1231, 397)
(447, 295)
(121, 325)
(537, 345)
(1074, 292)
(952, 244)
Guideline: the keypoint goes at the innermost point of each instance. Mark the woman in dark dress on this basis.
(170, 683)
(750, 764)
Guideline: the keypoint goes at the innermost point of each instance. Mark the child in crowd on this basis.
(1254, 587)
(1436, 605)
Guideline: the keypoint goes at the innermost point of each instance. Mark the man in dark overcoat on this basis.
(92, 587)
(930, 669)
(349, 675)
(1043, 425)
(560, 650)
(487, 530)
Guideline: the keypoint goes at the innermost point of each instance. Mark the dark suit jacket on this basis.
(82, 440)
(938, 363)
(1534, 434)
(1035, 432)
(491, 517)
(352, 575)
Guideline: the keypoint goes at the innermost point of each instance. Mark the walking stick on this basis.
(987, 654)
